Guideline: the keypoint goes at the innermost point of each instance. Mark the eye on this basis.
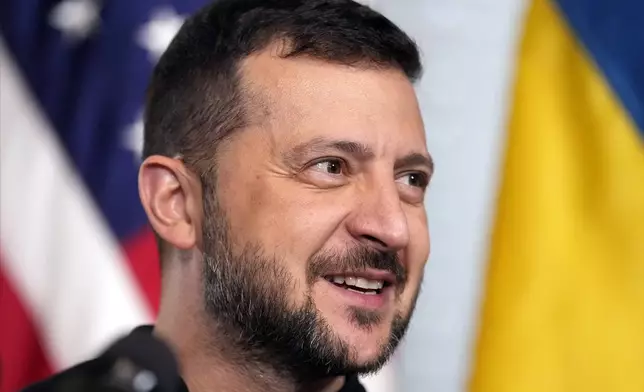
(333, 166)
(415, 179)
(326, 173)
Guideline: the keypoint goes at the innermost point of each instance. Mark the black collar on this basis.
(352, 383)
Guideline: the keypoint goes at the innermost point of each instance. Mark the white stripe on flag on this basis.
(60, 255)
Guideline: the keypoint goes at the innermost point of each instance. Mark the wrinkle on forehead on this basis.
(303, 94)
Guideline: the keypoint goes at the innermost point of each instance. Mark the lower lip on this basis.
(369, 301)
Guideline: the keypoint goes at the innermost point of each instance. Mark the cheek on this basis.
(286, 220)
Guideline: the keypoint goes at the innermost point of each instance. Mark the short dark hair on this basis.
(195, 98)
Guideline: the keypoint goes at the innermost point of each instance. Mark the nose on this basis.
(379, 220)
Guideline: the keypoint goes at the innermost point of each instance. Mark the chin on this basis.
(367, 343)
(369, 358)
(370, 327)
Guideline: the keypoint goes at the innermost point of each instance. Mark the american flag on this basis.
(78, 261)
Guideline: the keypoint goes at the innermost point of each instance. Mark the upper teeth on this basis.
(359, 282)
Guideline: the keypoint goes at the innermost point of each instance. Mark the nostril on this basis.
(375, 240)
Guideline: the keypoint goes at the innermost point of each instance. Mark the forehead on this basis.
(303, 98)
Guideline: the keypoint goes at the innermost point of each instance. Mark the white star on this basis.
(155, 36)
(76, 19)
(133, 139)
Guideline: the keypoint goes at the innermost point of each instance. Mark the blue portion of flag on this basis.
(90, 80)
(612, 33)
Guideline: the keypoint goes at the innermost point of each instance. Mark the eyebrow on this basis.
(359, 150)
(416, 159)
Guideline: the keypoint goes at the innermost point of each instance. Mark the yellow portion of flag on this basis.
(564, 301)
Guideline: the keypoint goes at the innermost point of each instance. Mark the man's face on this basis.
(317, 240)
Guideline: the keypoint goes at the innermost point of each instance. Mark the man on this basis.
(284, 175)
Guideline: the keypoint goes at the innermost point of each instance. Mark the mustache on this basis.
(355, 259)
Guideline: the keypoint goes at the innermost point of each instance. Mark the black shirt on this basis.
(92, 369)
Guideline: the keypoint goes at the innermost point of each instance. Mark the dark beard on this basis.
(247, 296)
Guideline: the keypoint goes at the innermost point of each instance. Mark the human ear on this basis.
(171, 197)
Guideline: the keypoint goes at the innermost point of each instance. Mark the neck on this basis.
(210, 360)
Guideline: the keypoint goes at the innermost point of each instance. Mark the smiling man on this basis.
(285, 176)
(285, 173)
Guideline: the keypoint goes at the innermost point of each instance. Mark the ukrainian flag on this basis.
(564, 298)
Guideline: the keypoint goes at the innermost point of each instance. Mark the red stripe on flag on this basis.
(22, 359)
(143, 257)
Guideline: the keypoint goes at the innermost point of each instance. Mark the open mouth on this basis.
(359, 284)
